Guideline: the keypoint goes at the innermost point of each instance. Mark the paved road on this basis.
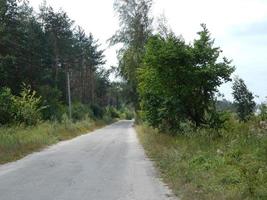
(108, 164)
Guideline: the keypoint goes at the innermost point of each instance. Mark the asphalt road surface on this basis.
(108, 164)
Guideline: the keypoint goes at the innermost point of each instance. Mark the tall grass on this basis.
(18, 141)
(202, 164)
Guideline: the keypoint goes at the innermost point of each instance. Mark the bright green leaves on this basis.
(24, 108)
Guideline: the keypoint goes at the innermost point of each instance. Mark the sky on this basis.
(238, 26)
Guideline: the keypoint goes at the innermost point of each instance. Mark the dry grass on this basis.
(17, 142)
(202, 165)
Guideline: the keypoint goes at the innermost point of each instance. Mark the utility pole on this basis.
(69, 94)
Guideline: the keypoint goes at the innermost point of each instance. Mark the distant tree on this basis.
(70, 50)
(58, 30)
(163, 28)
(225, 105)
(263, 111)
(135, 29)
(243, 99)
(88, 58)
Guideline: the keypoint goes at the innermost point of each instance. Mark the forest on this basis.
(39, 52)
(206, 147)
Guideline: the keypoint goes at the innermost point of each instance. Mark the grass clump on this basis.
(18, 141)
(202, 164)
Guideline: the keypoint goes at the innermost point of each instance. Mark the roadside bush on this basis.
(80, 111)
(22, 109)
(107, 118)
(7, 108)
(27, 107)
(129, 115)
(263, 112)
(216, 120)
(53, 107)
(112, 112)
(98, 112)
(126, 113)
(138, 117)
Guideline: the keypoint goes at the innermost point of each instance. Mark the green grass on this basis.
(205, 165)
(17, 142)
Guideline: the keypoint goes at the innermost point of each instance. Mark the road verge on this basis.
(17, 142)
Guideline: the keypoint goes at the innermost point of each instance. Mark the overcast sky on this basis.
(239, 27)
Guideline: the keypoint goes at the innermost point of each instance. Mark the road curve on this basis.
(108, 164)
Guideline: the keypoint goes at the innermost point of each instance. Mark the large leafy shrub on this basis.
(112, 112)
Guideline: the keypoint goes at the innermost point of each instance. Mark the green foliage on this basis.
(225, 105)
(156, 100)
(51, 101)
(202, 164)
(22, 109)
(178, 82)
(18, 141)
(98, 111)
(217, 119)
(263, 111)
(127, 113)
(112, 112)
(244, 99)
(7, 107)
(39, 48)
(80, 111)
(28, 110)
(135, 29)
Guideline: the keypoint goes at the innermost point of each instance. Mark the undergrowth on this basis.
(206, 164)
(18, 141)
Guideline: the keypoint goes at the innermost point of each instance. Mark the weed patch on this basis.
(16, 142)
(198, 165)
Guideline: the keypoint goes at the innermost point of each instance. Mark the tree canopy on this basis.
(40, 48)
(178, 81)
(135, 29)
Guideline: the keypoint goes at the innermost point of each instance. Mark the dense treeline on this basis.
(40, 49)
(172, 82)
